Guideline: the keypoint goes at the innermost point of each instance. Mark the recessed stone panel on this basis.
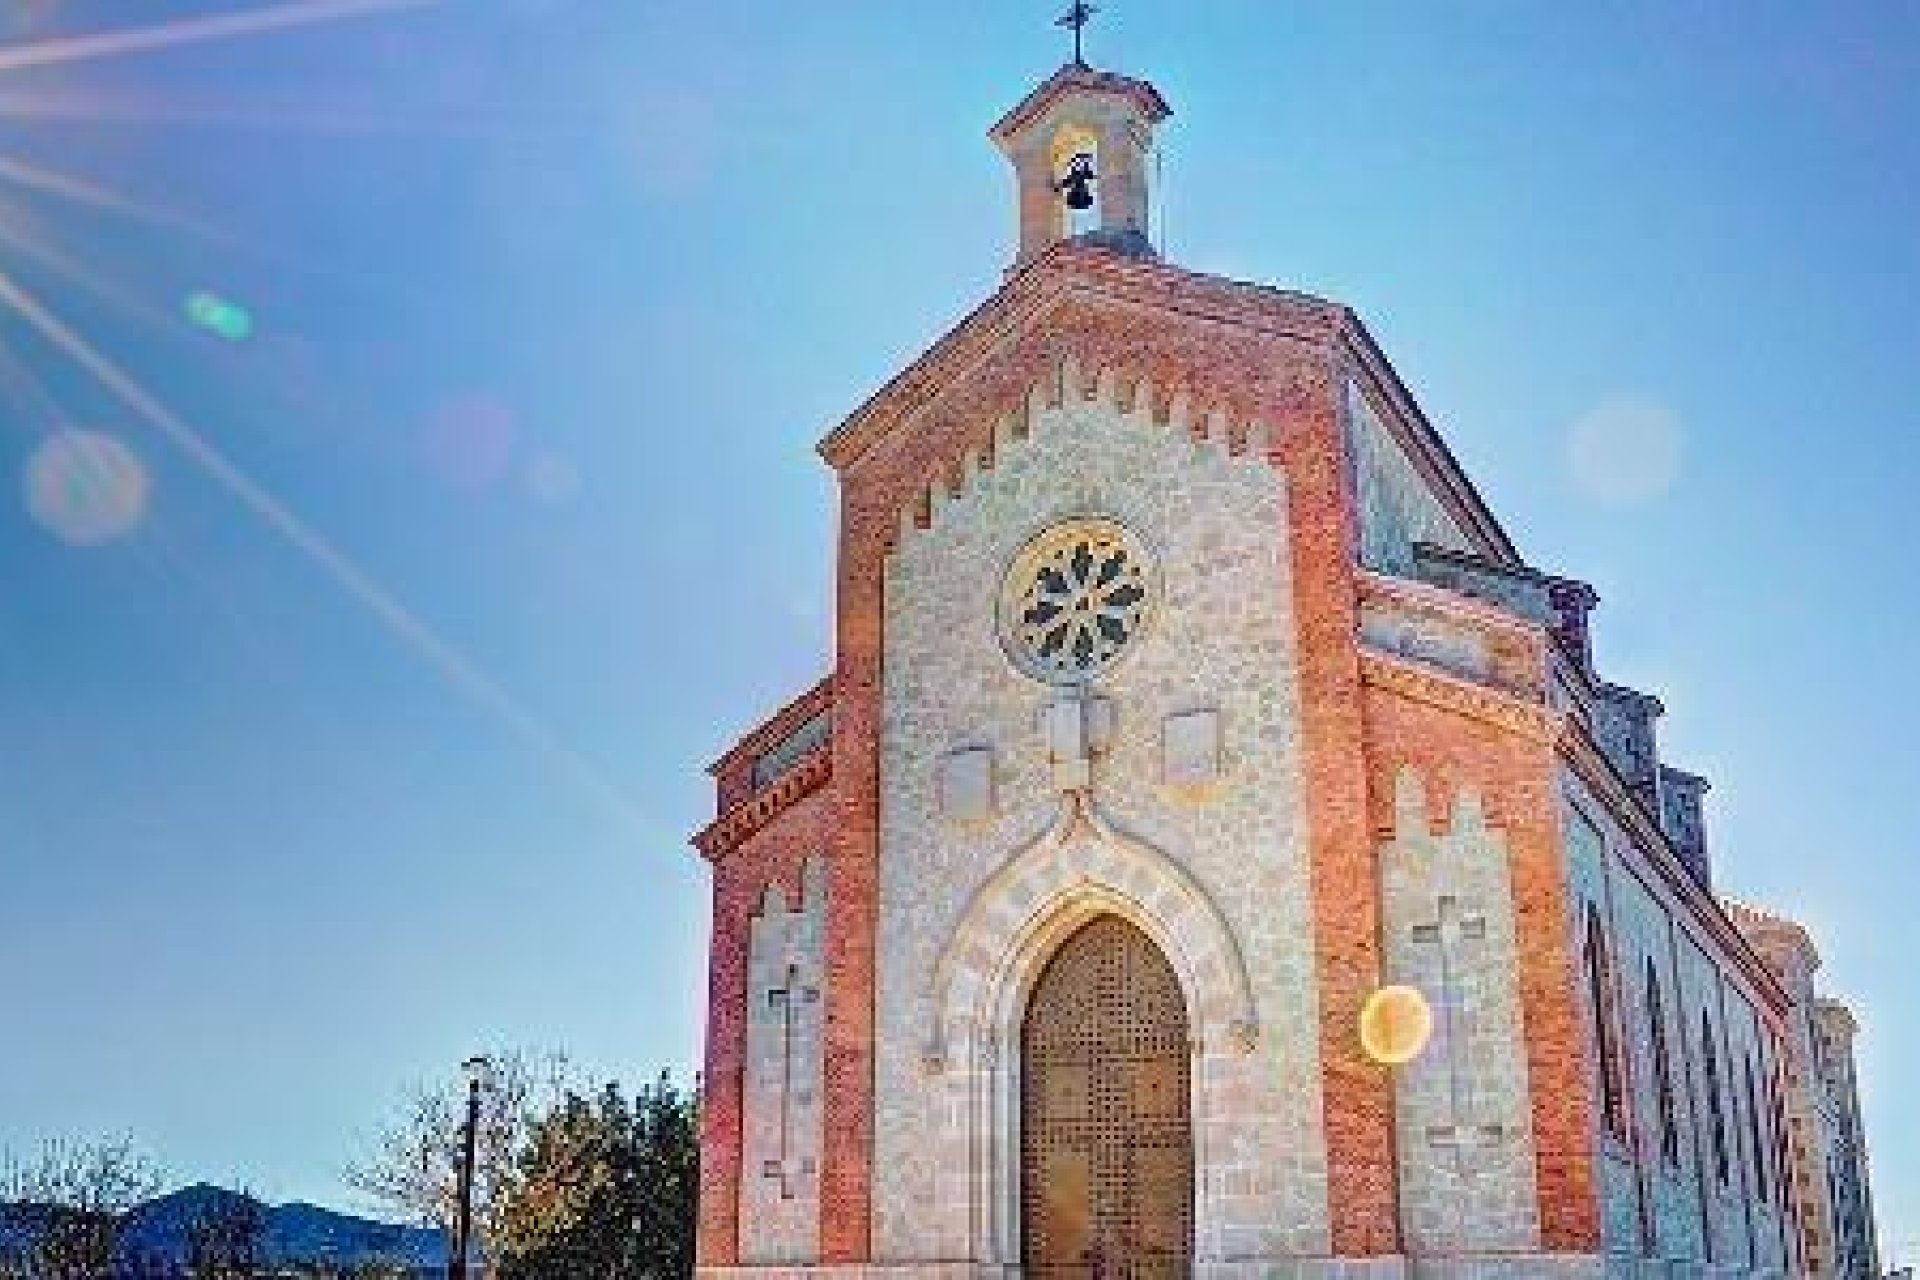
(966, 784)
(1190, 749)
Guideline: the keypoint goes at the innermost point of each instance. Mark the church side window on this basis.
(1662, 1068)
(1716, 1113)
(1777, 1121)
(1605, 1038)
(1755, 1134)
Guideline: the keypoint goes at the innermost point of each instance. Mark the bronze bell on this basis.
(1078, 182)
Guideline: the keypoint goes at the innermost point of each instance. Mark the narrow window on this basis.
(1716, 1115)
(1755, 1134)
(1606, 1044)
(1662, 1068)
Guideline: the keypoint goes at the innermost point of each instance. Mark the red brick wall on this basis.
(846, 1173)
(1517, 776)
(1362, 1190)
(775, 853)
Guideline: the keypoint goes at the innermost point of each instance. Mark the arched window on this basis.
(1662, 1068)
(1606, 1042)
(1716, 1113)
(1755, 1134)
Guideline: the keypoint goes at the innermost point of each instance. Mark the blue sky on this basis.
(550, 302)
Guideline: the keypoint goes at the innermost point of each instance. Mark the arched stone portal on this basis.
(1106, 1127)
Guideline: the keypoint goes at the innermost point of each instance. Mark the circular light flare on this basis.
(1626, 451)
(1396, 1024)
(86, 488)
(471, 441)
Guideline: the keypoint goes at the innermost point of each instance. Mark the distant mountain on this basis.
(292, 1233)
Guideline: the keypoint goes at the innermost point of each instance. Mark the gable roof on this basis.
(1073, 76)
(1079, 268)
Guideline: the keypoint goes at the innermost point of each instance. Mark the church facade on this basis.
(1213, 850)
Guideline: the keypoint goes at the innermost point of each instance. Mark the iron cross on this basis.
(1076, 19)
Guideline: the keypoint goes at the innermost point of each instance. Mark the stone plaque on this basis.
(966, 784)
(1190, 749)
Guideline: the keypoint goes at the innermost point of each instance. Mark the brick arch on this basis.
(1080, 869)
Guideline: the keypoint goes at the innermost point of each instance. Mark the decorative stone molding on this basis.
(1453, 693)
(1168, 404)
(1083, 858)
(726, 832)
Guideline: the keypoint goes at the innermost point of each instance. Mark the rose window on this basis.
(1074, 599)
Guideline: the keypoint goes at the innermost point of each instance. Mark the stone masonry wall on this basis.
(775, 855)
(1397, 507)
(1221, 639)
(786, 985)
(1465, 1125)
(1677, 1207)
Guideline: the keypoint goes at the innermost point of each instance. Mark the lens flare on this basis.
(219, 317)
(86, 488)
(551, 478)
(1395, 1025)
(1626, 451)
(470, 441)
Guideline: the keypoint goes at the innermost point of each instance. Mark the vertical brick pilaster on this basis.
(721, 1103)
(1550, 1004)
(846, 1170)
(1362, 1191)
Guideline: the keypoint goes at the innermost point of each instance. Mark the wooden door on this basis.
(1106, 1133)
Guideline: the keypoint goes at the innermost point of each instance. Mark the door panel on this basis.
(1106, 1130)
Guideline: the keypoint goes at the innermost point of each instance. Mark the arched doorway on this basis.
(1106, 1131)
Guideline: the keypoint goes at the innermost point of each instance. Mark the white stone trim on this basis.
(1080, 869)
(1083, 850)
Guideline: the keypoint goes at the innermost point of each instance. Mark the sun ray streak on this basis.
(166, 35)
(19, 231)
(54, 182)
(120, 104)
(412, 631)
(68, 186)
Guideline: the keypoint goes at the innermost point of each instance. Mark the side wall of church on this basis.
(1397, 506)
(737, 1096)
(1509, 1091)
(786, 1012)
(1465, 1128)
(1676, 1199)
(1221, 640)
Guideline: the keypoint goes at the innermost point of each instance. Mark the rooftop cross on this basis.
(1076, 19)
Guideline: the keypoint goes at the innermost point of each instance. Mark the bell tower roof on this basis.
(1081, 147)
(1077, 79)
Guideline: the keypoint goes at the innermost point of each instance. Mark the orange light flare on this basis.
(401, 622)
(1396, 1024)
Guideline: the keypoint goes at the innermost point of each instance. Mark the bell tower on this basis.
(1079, 144)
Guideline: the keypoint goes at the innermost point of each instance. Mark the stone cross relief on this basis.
(1450, 929)
(784, 1166)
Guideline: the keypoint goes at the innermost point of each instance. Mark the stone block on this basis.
(966, 784)
(1190, 749)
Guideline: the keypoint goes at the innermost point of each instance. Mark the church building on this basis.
(1213, 850)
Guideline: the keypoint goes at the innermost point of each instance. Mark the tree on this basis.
(65, 1205)
(608, 1187)
(226, 1238)
(411, 1169)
